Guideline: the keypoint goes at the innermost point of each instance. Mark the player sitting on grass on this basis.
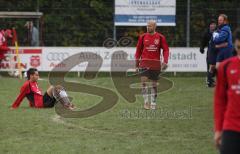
(35, 97)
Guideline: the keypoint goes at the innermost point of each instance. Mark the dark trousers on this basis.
(210, 75)
(230, 142)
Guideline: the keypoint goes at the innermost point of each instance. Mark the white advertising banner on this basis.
(47, 58)
(138, 12)
(186, 60)
(28, 57)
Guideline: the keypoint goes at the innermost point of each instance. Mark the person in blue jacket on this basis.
(222, 39)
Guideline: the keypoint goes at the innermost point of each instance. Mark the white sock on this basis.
(63, 94)
(145, 93)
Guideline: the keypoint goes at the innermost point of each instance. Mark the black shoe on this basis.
(211, 85)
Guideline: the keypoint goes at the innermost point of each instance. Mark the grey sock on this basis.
(153, 94)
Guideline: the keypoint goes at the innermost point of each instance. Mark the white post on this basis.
(188, 24)
(114, 27)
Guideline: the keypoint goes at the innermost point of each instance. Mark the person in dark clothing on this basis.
(205, 42)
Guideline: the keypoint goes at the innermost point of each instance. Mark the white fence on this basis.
(46, 58)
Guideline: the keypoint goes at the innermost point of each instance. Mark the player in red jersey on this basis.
(4, 35)
(148, 61)
(36, 99)
(227, 104)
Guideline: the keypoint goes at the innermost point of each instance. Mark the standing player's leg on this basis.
(153, 94)
(145, 91)
(212, 58)
(154, 77)
(210, 76)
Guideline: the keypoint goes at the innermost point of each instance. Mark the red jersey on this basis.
(227, 96)
(3, 45)
(148, 51)
(33, 94)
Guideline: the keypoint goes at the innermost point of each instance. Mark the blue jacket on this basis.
(223, 35)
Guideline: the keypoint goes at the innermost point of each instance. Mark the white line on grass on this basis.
(58, 119)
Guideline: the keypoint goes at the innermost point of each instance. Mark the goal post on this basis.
(16, 69)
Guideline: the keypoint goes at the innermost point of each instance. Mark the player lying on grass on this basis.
(35, 97)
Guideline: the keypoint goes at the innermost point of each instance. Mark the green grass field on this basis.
(183, 125)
